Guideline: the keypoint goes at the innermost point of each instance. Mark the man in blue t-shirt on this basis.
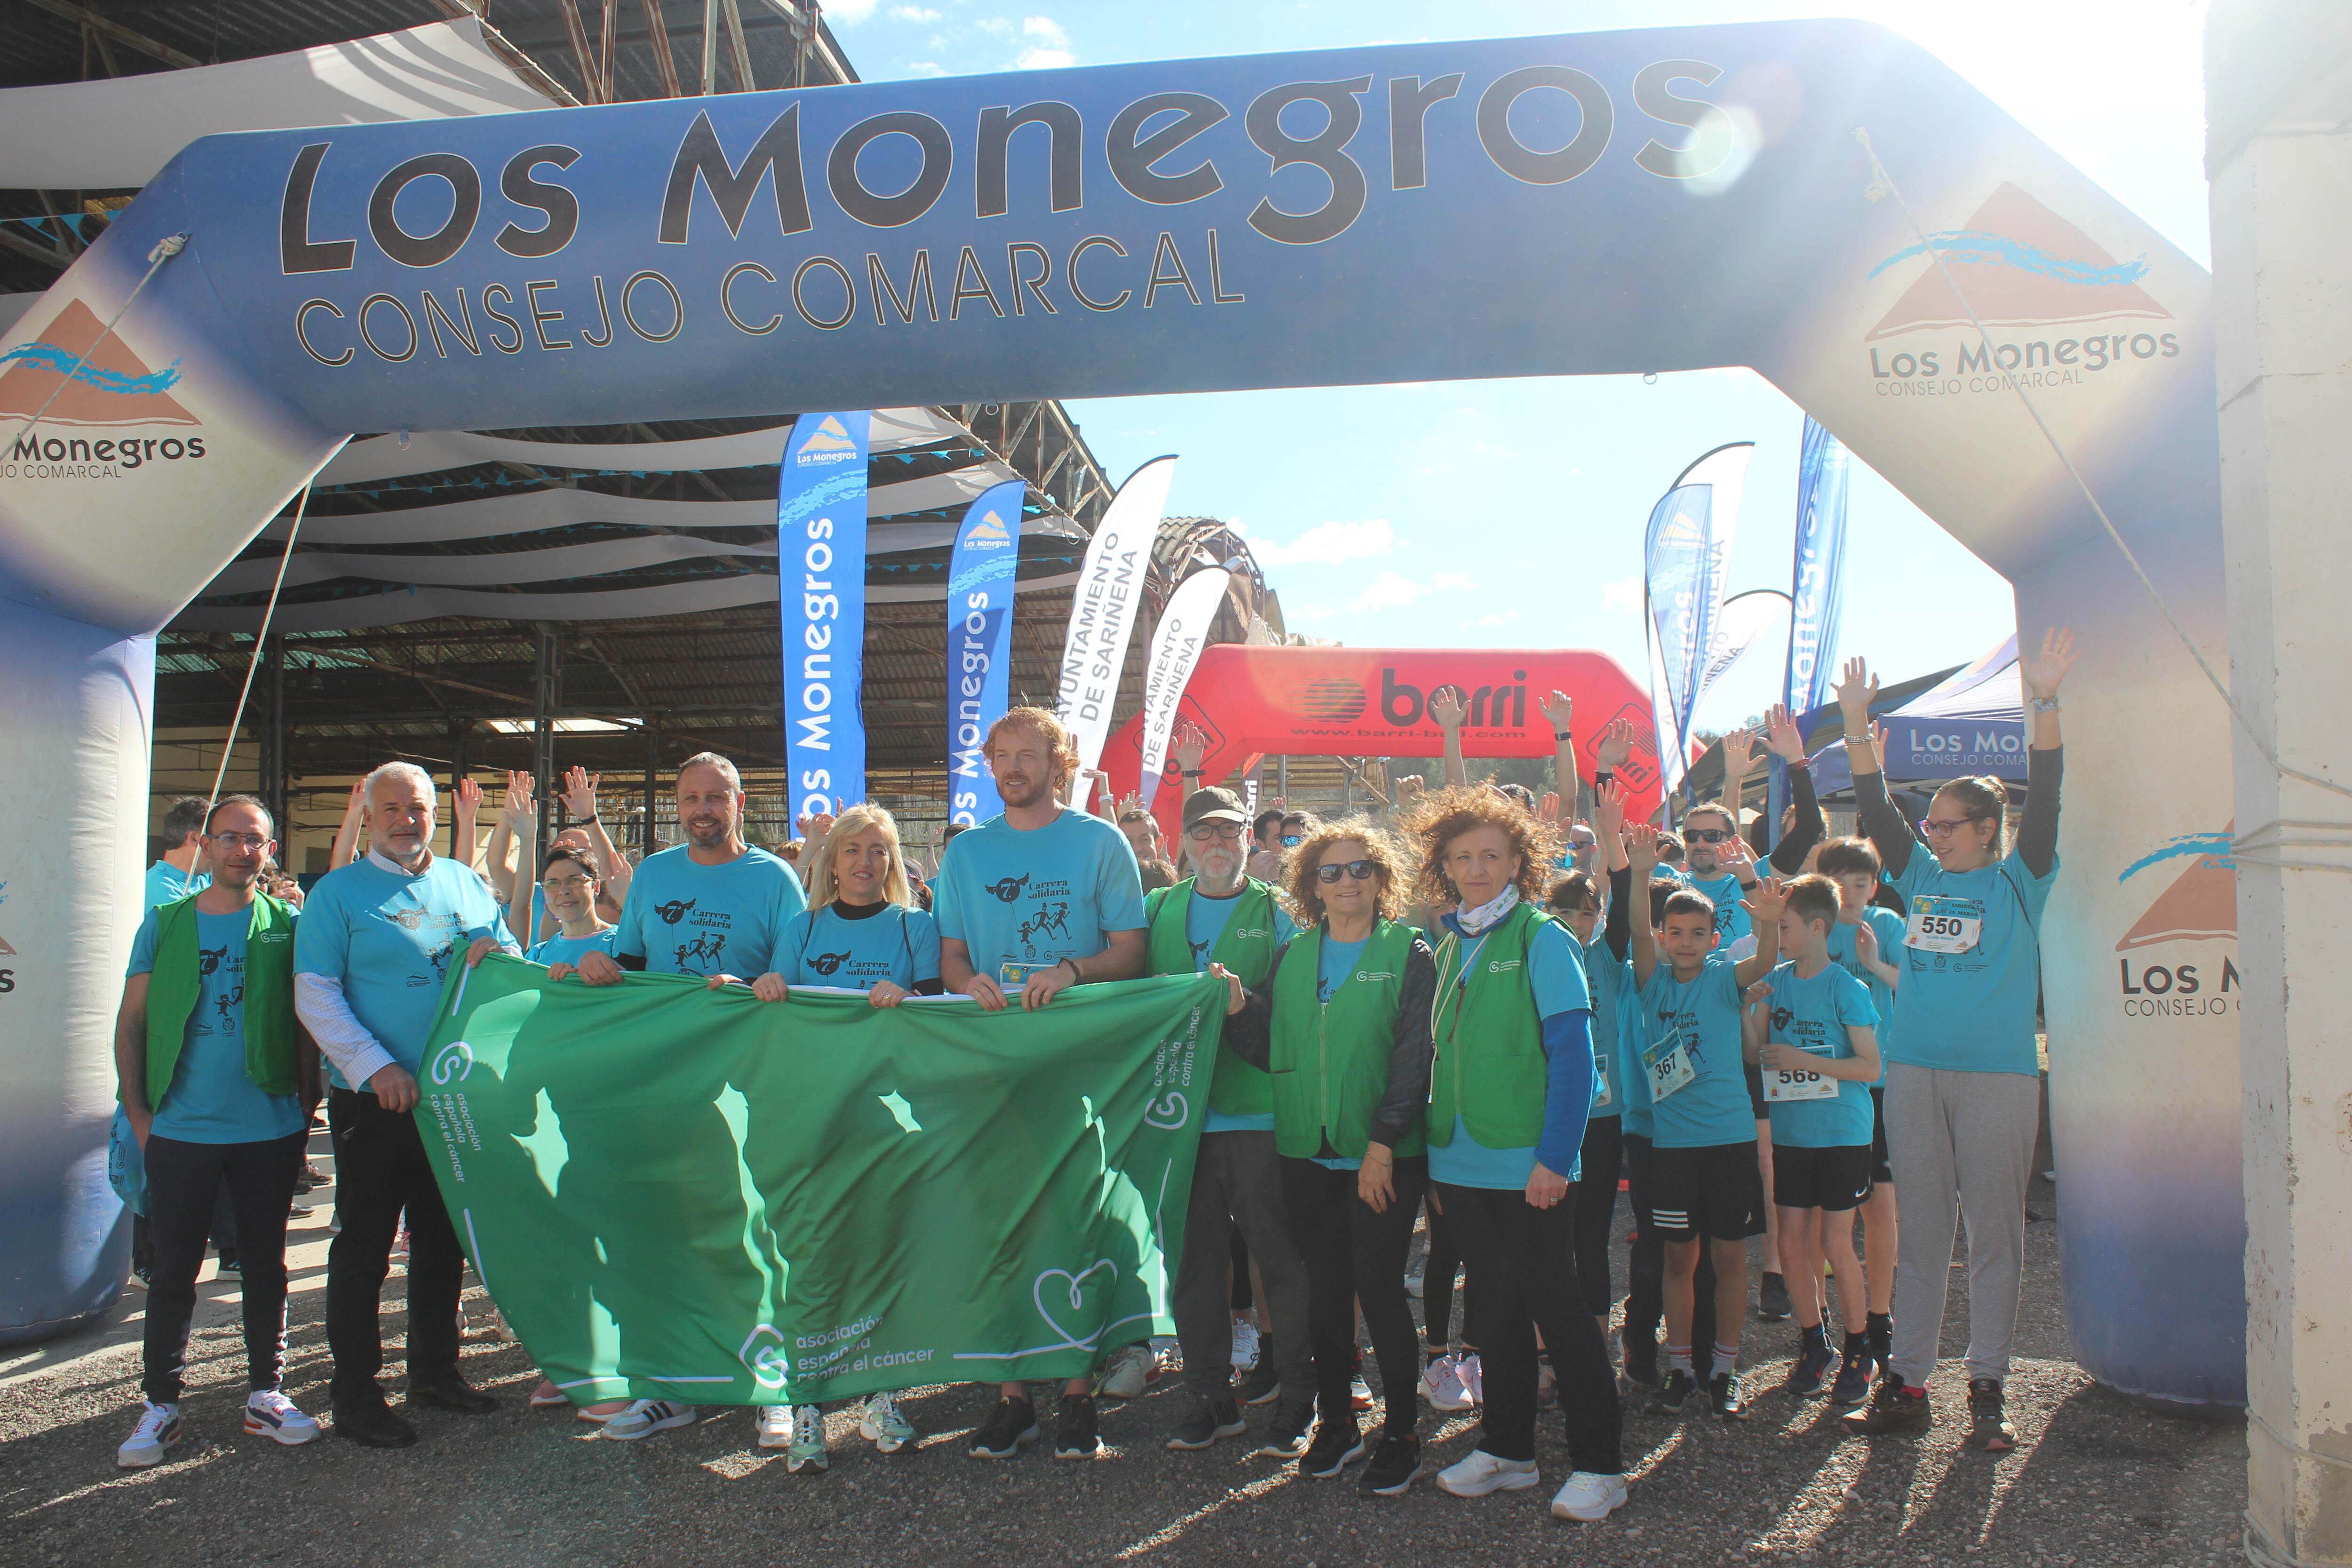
(1705, 1183)
(370, 955)
(176, 876)
(212, 1108)
(716, 908)
(1031, 903)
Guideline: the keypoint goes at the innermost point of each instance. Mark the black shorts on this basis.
(1880, 1170)
(1715, 1190)
(1756, 1093)
(1836, 1179)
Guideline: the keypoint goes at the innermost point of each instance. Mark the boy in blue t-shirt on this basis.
(1704, 1177)
(1867, 943)
(1811, 1027)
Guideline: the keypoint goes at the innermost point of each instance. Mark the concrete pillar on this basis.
(2279, 85)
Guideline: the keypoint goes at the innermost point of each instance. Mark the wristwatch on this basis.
(1563, 735)
(2046, 705)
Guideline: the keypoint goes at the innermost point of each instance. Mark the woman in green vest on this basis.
(1511, 1087)
(1340, 1023)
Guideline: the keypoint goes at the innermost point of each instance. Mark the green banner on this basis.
(685, 1193)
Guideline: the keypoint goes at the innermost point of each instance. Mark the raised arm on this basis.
(2046, 761)
(1191, 746)
(1738, 761)
(1642, 856)
(1446, 706)
(579, 801)
(347, 837)
(1856, 691)
(1782, 739)
(464, 810)
(1764, 917)
(1559, 711)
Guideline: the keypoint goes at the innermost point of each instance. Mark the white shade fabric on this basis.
(117, 133)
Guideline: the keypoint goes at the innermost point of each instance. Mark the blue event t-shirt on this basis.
(853, 950)
(167, 884)
(1887, 926)
(1632, 1083)
(1556, 972)
(561, 949)
(1973, 1011)
(1814, 1014)
(1331, 971)
(1731, 921)
(1713, 1107)
(1205, 919)
(1606, 975)
(389, 938)
(684, 918)
(1030, 897)
(210, 1099)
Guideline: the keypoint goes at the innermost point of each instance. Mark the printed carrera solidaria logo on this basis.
(2029, 274)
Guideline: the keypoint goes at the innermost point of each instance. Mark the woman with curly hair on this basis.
(1340, 1024)
(1512, 1084)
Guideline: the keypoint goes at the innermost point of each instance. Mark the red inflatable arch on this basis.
(1256, 701)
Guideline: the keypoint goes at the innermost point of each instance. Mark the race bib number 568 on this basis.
(1944, 924)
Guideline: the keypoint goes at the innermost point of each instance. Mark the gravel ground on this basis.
(2094, 1479)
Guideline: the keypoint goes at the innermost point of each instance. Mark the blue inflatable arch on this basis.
(1637, 201)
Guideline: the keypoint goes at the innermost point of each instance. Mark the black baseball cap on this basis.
(1213, 805)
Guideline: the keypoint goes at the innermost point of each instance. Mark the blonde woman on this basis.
(860, 932)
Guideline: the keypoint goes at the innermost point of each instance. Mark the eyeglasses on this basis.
(1362, 870)
(1708, 834)
(1935, 829)
(1582, 843)
(1214, 833)
(566, 884)
(1290, 840)
(241, 840)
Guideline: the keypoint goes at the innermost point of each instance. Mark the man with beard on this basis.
(371, 953)
(713, 907)
(1220, 916)
(1029, 904)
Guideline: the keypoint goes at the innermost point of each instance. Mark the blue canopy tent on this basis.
(1972, 723)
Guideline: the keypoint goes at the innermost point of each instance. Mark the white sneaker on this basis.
(807, 1452)
(1482, 1473)
(883, 1426)
(1472, 1378)
(1441, 1384)
(270, 1414)
(1360, 1393)
(1244, 1342)
(1414, 1281)
(645, 1417)
(158, 1429)
(774, 1425)
(1589, 1497)
(1130, 1370)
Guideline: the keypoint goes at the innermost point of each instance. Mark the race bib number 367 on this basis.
(1668, 1066)
(1944, 924)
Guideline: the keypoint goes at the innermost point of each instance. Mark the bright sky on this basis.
(1508, 513)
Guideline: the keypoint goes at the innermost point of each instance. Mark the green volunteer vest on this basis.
(1247, 949)
(1490, 1069)
(1331, 1058)
(172, 988)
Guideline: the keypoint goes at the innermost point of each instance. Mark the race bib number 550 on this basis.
(1944, 924)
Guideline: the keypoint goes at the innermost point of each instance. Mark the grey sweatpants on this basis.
(1960, 1142)
(1237, 1181)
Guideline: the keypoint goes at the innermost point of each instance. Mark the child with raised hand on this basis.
(1811, 1027)
(1865, 943)
(1705, 1184)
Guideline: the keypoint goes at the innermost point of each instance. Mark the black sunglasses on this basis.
(1362, 870)
(1708, 834)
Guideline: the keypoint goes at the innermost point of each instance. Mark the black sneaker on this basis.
(1336, 1445)
(1076, 1438)
(1723, 1393)
(1286, 1437)
(372, 1424)
(1263, 1382)
(1394, 1464)
(1814, 1358)
(1892, 1408)
(1989, 1427)
(1772, 1303)
(1672, 1395)
(228, 1268)
(1014, 1423)
(1853, 1384)
(1210, 1420)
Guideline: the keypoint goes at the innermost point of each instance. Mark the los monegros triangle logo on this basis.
(90, 390)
